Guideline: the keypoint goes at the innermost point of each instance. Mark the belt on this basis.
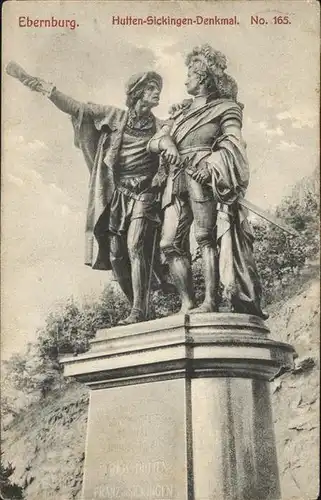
(184, 166)
(140, 196)
(192, 149)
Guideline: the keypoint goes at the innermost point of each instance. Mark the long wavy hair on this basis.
(210, 65)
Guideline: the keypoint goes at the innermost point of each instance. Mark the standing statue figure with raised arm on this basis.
(207, 174)
(123, 208)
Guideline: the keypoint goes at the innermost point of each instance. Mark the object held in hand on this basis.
(36, 84)
(200, 172)
(15, 70)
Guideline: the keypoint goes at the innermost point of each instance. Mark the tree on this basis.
(279, 256)
(27, 374)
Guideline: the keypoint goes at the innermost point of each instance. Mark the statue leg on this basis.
(205, 216)
(181, 272)
(120, 264)
(139, 243)
(174, 243)
(211, 279)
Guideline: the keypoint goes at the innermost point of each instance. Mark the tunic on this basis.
(133, 197)
(113, 143)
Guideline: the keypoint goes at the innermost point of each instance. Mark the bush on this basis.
(28, 372)
(9, 490)
(70, 326)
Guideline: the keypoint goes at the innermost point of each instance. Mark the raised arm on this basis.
(62, 101)
(65, 103)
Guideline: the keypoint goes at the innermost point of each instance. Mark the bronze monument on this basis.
(205, 175)
(123, 208)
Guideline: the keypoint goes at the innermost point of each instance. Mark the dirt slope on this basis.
(47, 443)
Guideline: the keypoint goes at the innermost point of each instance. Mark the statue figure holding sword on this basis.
(205, 181)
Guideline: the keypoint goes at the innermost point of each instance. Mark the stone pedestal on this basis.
(180, 409)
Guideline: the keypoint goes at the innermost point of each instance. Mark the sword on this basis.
(264, 214)
(269, 217)
(149, 286)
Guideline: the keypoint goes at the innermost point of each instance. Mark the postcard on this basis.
(160, 286)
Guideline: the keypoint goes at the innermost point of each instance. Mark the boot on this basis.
(211, 278)
(135, 316)
(180, 269)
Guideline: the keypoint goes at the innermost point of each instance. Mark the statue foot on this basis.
(135, 316)
(206, 307)
(265, 315)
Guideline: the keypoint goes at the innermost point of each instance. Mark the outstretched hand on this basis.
(33, 83)
(36, 84)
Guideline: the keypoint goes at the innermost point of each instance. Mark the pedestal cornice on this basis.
(192, 346)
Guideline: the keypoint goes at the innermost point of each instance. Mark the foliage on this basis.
(9, 490)
(8, 407)
(280, 257)
(70, 326)
(28, 372)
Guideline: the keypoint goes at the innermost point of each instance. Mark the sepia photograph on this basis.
(160, 291)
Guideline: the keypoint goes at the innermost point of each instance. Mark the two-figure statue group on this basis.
(150, 179)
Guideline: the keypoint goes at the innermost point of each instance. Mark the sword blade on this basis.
(268, 217)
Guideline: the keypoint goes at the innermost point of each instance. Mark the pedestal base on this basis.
(180, 409)
(137, 442)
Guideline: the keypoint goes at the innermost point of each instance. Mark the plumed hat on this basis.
(139, 80)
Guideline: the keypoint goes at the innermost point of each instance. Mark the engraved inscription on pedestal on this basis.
(137, 443)
(152, 487)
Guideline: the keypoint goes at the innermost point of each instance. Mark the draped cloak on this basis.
(98, 133)
(228, 164)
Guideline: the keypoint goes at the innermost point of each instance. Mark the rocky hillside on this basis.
(296, 395)
(46, 443)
